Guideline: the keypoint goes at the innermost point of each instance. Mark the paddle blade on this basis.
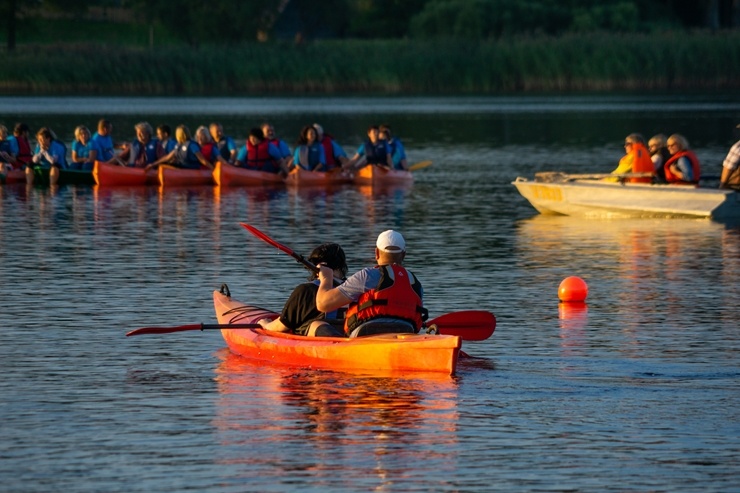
(420, 165)
(470, 325)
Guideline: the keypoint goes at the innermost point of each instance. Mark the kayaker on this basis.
(258, 154)
(208, 147)
(659, 155)
(636, 160)
(269, 132)
(21, 132)
(142, 151)
(103, 139)
(730, 177)
(300, 315)
(335, 155)
(49, 153)
(8, 151)
(683, 166)
(225, 144)
(398, 153)
(185, 155)
(85, 151)
(386, 298)
(309, 153)
(373, 151)
(166, 143)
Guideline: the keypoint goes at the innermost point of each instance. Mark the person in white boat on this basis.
(659, 155)
(636, 160)
(730, 177)
(683, 167)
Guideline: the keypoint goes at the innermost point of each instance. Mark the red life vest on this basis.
(258, 156)
(695, 166)
(398, 297)
(207, 151)
(24, 150)
(326, 143)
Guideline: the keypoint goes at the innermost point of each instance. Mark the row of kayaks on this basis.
(105, 174)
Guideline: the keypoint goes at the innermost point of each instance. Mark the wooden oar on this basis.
(470, 325)
(420, 165)
(557, 176)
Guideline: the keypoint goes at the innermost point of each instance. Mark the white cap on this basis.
(391, 241)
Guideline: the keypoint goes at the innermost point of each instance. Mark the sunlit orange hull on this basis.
(179, 177)
(385, 352)
(233, 176)
(301, 177)
(375, 175)
(119, 176)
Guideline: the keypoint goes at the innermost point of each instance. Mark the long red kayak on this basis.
(386, 352)
(113, 175)
(169, 176)
(234, 176)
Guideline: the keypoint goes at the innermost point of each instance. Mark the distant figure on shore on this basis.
(731, 166)
(659, 155)
(683, 166)
(636, 160)
(398, 153)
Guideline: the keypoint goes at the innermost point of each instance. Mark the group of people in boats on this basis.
(386, 298)
(262, 151)
(670, 160)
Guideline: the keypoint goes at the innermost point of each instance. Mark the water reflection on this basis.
(371, 428)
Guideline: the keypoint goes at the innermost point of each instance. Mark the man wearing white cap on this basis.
(384, 298)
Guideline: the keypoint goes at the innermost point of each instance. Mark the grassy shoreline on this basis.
(595, 63)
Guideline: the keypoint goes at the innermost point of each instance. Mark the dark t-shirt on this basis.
(300, 309)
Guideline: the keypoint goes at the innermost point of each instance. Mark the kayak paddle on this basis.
(420, 165)
(470, 325)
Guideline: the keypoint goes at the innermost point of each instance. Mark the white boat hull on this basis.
(609, 199)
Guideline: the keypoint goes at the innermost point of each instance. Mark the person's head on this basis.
(387, 129)
(21, 130)
(164, 132)
(384, 135)
(319, 131)
(633, 139)
(677, 143)
(217, 131)
(268, 130)
(372, 133)
(3, 132)
(736, 132)
(256, 136)
(202, 136)
(44, 137)
(656, 143)
(143, 132)
(333, 256)
(82, 134)
(104, 127)
(308, 135)
(390, 248)
(182, 134)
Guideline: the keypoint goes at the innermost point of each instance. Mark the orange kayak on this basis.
(301, 177)
(383, 352)
(234, 176)
(14, 176)
(113, 175)
(376, 175)
(169, 176)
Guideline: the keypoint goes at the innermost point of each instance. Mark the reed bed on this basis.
(595, 62)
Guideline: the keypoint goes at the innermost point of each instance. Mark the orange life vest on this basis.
(641, 162)
(695, 166)
(396, 296)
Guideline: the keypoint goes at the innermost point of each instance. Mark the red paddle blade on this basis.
(470, 325)
(262, 236)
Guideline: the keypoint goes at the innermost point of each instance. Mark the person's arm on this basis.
(683, 169)
(329, 298)
(167, 158)
(274, 325)
(205, 162)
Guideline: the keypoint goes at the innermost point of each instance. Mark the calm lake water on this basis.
(638, 390)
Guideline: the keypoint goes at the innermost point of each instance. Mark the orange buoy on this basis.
(573, 288)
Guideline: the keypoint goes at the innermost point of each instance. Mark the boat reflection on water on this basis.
(336, 426)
